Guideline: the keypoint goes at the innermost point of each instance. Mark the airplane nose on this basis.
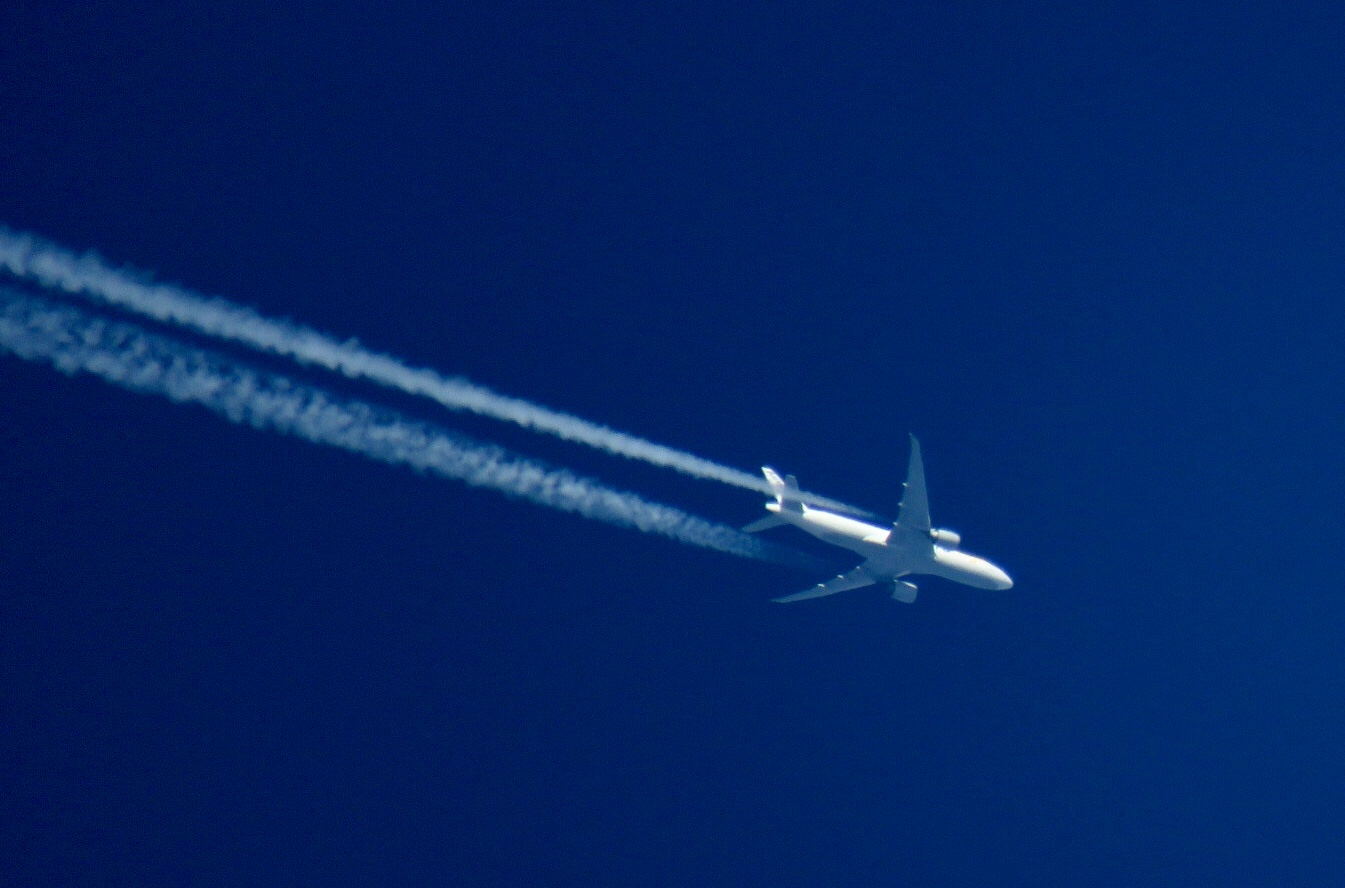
(1001, 579)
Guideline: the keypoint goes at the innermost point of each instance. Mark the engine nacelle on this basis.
(945, 538)
(903, 591)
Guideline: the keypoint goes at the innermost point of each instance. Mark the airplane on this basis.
(910, 546)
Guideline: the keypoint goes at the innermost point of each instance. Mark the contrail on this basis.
(126, 356)
(27, 256)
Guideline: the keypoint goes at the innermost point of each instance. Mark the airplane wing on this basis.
(914, 513)
(855, 579)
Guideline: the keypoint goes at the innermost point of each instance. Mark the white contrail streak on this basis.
(129, 357)
(54, 267)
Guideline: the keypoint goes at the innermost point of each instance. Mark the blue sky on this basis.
(1087, 252)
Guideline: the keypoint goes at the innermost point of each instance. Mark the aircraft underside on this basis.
(910, 546)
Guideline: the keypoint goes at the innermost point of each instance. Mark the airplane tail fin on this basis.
(786, 491)
(787, 499)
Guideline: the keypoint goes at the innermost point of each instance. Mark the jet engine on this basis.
(945, 538)
(903, 591)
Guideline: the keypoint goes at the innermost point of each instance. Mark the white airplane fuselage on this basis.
(892, 554)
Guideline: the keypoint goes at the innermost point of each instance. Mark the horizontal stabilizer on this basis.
(765, 524)
(855, 579)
